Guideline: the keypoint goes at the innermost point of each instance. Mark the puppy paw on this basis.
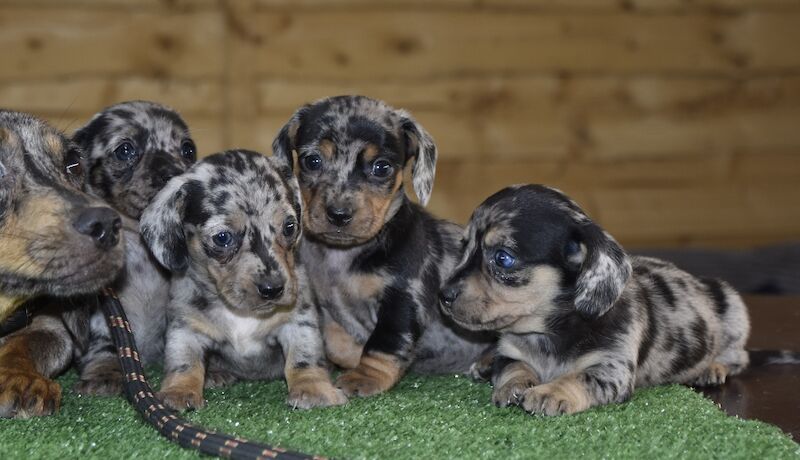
(106, 384)
(375, 374)
(218, 379)
(714, 375)
(510, 393)
(27, 394)
(554, 399)
(306, 395)
(180, 399)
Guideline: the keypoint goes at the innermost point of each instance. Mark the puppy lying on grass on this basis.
(581, 323)
(227, 229)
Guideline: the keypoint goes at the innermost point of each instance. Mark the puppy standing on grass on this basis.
(129, 151)
(581, 323)
(376, 260)
(227, 229)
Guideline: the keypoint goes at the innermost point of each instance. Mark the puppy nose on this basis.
(101, 224)
(165, 174)
(448, 295)
(270, 289)
(339, 216)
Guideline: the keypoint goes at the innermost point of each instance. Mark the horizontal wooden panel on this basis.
(551, 95)
(723, 210)
(418, 45)
(137, 4)
(87, 95)
(538, 5)
(68, 42)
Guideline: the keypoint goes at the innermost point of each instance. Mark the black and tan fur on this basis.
(157, 146)
(228, 229)
(55, 240)
(581, 322)
(375, 259)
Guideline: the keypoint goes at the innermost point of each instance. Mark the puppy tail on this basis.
(766, 357)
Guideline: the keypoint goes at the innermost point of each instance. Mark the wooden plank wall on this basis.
(674, 122)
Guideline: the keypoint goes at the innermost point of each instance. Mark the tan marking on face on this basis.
(327, 148)
(370, 152)
(341, 348)
(498, 236)
(487, 304)
(32, 235)
(377, 207)
(53, 143)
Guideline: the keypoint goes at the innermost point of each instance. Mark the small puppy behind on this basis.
(227, 229)
(376, 259)
(581, 322)
(122, 156)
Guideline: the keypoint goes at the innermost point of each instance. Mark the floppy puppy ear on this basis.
(161, 225)
(286, 141)
(604, 271)
(420, 145)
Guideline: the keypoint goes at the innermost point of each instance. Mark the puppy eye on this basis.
(289, 227)
(572, 247)
(72, 163)
(223, 239)
(504, 259)
(188, 150)
(125, 152)
(312, 162)
(381, 168)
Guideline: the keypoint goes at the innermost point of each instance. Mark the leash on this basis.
(164, 420)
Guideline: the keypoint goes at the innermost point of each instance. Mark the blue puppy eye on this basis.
(381, 168)
(572, 248)
(223, 239)
(125, 152)
(312, 162)
(504, 259)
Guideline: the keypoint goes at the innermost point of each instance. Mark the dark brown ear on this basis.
(286, 141)
(161, 224)
(420, 145)
(604, 272)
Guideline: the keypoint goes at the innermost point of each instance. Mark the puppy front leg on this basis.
(185, 368)
(576, 392)
(307, 377)
(27, 359)
(388, 351)
(511, 379)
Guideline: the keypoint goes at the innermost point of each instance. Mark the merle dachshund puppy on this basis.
(581, 322)
(56, 240)
(376, 260)
(228, 229)
(127, 153)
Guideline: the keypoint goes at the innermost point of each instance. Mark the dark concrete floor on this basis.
(768, 393)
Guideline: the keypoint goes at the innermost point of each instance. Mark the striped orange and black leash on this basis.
(164, 420)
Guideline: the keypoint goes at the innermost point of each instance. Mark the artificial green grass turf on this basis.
(429, 417)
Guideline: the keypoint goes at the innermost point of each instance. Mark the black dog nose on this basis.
(448, 295)
(102, 224)
(270, 289)
(339, 216)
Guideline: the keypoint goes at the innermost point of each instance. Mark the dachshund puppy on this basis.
(227, 229)
(129, 151)
(54, 240)
(581, 323)
(376, 260)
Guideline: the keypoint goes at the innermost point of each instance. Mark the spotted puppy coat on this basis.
(582, 323)
(55, 240)
(227, 229)
(128, 151)
(376, 260)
